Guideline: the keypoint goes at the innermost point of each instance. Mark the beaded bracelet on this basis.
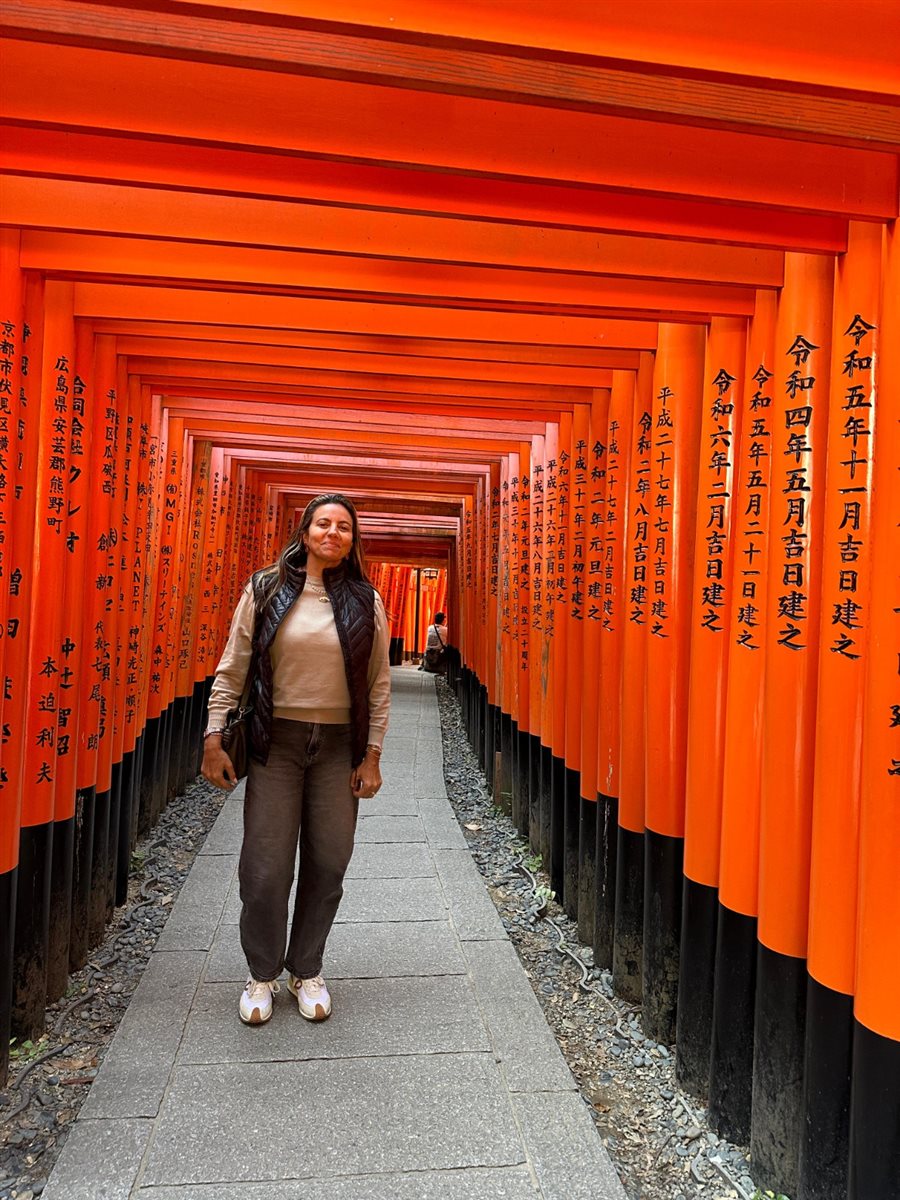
(376, 750)
(209, 732)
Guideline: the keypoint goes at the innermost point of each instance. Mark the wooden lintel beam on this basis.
(304, 49)
(237, 171)
(362, 122)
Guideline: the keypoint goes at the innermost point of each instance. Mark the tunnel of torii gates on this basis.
(595, 308)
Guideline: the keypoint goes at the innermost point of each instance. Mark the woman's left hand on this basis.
(365, 780)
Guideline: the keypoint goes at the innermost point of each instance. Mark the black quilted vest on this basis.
(353, 605)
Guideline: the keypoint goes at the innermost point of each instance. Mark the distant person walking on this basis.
(310, 632)
(435, 659)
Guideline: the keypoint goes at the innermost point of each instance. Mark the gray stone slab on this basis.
(227, 833)
(476, 1183)
(371, 1017)
(196, 912)
(429, 783)
(359, 951)
(99, 1161)
(565, 1150)
(389, 829)
(525, 1045)
(315, 1120)
(472, 911)
(391, 860)
(441, 827)
(136, 1067)
(398, 802)
(392, 900)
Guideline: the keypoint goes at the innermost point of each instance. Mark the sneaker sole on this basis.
(320, 1013)
(255, 1018)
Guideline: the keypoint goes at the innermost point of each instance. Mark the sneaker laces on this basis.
(256, 988)
(313, 986)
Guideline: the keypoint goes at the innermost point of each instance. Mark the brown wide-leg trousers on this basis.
(302, 793)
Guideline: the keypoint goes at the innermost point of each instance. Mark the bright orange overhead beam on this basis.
(300, 273)
(287, 312)
(412, 404)
(336, 360)
(753, 41)
(221, 238)
(236, 171)
(495, 424)
(323, 117)
(158, 368)
(410, 353)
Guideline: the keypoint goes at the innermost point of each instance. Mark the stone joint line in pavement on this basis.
(437, 1077)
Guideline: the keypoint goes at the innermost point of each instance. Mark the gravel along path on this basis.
(50, 1079)
(657, 1135)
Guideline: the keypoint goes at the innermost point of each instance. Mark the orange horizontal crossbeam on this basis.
(445, 263)
(378, 124)
(237, 171)
(406, 350)
(751, 43)
(290, 312)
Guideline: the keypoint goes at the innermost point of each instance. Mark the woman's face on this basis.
(329, 538)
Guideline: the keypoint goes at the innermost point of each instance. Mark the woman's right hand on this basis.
(217, 768)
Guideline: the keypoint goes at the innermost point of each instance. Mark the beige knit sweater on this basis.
(308, 666)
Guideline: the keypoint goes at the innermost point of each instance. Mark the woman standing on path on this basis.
(312, 632)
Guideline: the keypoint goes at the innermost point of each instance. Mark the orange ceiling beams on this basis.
(418, 251)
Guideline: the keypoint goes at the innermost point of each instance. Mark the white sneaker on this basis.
(256, 1001)
(313, 998)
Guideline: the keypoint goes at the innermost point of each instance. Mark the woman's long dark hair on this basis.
(291, 562)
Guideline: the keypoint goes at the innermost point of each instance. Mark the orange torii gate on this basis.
(610, 308)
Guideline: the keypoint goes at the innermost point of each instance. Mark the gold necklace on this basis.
(319, 591)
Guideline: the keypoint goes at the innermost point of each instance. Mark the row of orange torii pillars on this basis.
(411, 595)
(687, 650)
(675, 614)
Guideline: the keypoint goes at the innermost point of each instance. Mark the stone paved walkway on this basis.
(436, 1078)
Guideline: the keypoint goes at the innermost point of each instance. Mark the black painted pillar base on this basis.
(97, 906)
(571, 835)
(60, 908)
(734, 1005)
(163, 750)
(546, 804)
(534, 793)
(82, 853)
(606, 831)
(178, 711)
(778, 1070)
(699, 914)
(503, 785)
(628, 937)
(147, 775)
(112, 847)
(523, 741)
(123, 843)
(197, 726)
(8, 882)
(490, 744)
(514, 789)
(825, 1132)
(483, 718)
(29, 997)
(587, 869)
(663, 883)
(557, 825)
(874, 1171)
